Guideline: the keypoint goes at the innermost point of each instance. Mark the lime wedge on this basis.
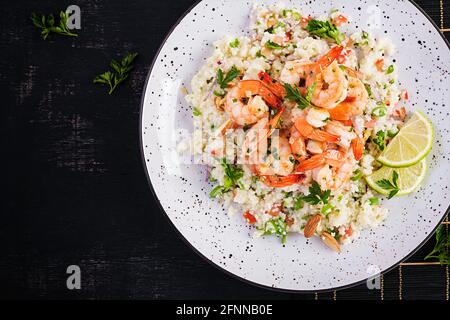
(411, 144)
(409, 178)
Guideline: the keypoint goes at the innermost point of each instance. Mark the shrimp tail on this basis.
(276, 87)
(282, 181)
(311, 163)
(358, 148)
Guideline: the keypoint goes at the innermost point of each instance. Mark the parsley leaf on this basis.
(278, 227)
(380, 140)
(295, 95)
(232, 176)
(390, 69)
(272, 45)
(235, 43)
(391, 186)
(47, 24)
(120, 73)
(196, 112)
(441, 249)
(316, 195)
(223, 79)
(324, 29)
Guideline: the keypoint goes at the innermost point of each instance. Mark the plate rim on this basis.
(191, 246)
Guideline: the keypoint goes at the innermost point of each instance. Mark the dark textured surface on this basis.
(76, 191)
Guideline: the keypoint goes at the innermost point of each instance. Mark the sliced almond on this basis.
(219, 102)
(330, 241)
(311, 225)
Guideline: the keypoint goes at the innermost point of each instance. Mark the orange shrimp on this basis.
(249, 112)
(331, 156)
(309, 132)
(281, 182)
(358, 148)
(353, 104)
(276, 87)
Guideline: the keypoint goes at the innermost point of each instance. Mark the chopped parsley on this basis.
(278, 227)
(391, 186)
(316, 195)
(374, 201)
(390, 69)
(232, 176)
(380, 140)
(357, 174)
(223, 79)
(294, 94)
(235, 43)
(196, 112)
(298, 203)
(272, 45)
(324, 29)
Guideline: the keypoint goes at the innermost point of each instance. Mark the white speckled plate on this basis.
(423, 60)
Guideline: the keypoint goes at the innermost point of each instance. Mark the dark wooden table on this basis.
(75, 190)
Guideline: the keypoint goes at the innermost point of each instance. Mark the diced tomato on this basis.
(400, 113)
(289, 221)
(249, 217)
(348, 233)
(380, 65)
(288, 35)
(404, 95)
(340, 20)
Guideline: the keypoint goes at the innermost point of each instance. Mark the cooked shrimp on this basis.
(316, 147)
(297, 142)
(309, 132)
(343, 132)
(317, 117)
(323, 176)
(280, 161)
(257, 95)
(276, 87)
(331, 157)
(333, 178)
(341, 175)
(255, 142)
(331, 87)
(296, 73)
(354, 103)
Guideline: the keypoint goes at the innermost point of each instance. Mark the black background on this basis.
(75, 190)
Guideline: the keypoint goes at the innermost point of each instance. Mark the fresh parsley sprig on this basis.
(278, 227)
(223, 80)
(232, 176)
(273, 45)
(391, 186)
(324, 29)
(316, 195)
(121, 71)
(47, 24)
(294, 94)
(441, 250)
(380, 140)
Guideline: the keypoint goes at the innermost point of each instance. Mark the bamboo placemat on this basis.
(415, 278)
